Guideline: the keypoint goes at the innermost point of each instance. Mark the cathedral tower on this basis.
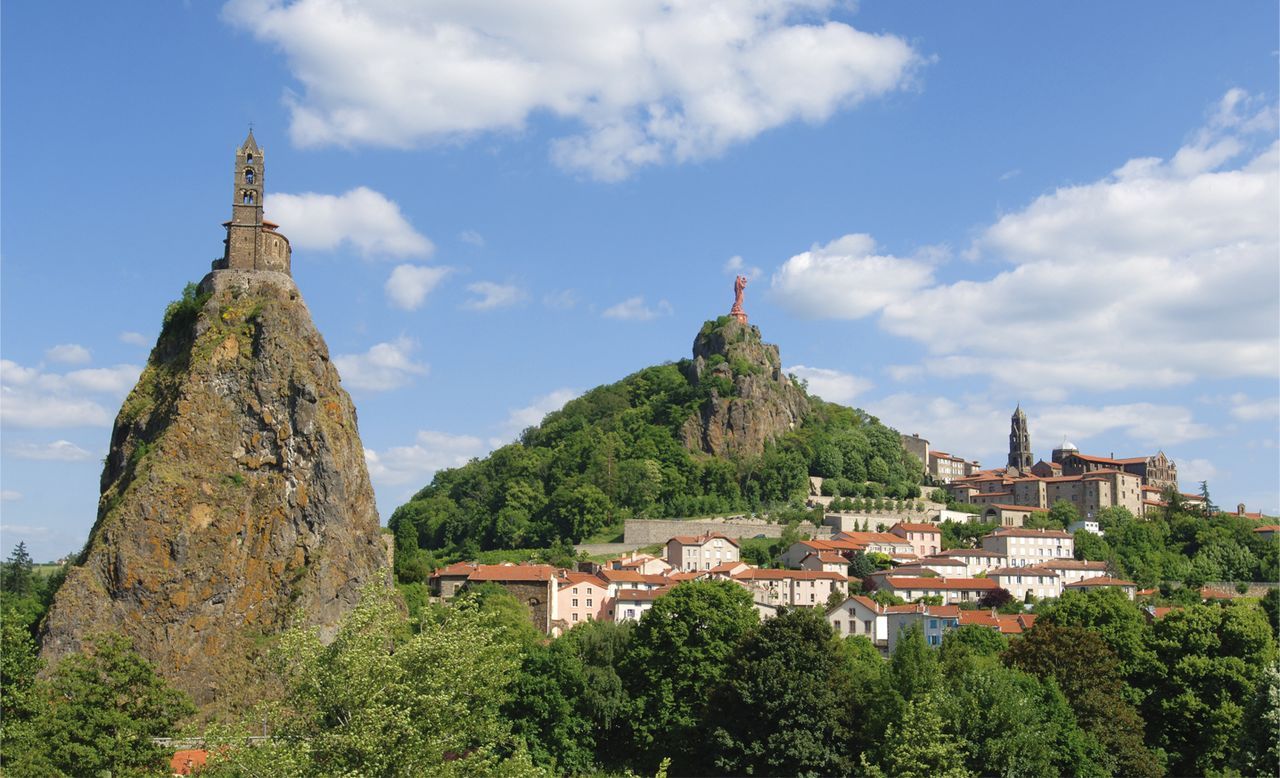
(252, 243)
(1019, 441)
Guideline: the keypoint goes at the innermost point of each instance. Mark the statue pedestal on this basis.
(739, 314)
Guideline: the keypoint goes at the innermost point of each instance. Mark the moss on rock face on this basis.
(751, 402)
(235, 496)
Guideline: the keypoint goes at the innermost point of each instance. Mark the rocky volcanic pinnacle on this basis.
(235, 496)
(751, 401)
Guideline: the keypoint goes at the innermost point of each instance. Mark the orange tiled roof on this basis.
(915, 527)
(508, 572)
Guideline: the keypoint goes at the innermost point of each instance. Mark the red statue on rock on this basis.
(736, 311)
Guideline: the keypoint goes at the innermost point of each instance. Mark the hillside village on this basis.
(920, 582)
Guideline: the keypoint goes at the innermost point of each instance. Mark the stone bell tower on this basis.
(252, 243)
(1019, 441)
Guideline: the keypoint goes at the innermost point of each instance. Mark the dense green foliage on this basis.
(96, 714)
(617, 452)
(1181, 545)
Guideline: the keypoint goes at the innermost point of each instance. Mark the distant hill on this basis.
(724, 431)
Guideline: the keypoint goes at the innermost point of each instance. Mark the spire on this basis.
(249, 143)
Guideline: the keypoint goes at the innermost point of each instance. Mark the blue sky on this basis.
(945, 208)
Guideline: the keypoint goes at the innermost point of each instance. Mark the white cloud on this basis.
(646, 81)
(562, 300)
(115, 381)
(472, 237)
(846, 279)
(635, 309)
(68, 353)
(1146, 423)
(384, 366)
(8, 495)
(1254, 410)
(134, 339)
(409, 285)
(737, 266)
(533, 413)
(362, 218)
(831, 385)
(57, 451)
(1162, 272)
(31, 397)
(1195, 470)
(430, 452)
(490, 295)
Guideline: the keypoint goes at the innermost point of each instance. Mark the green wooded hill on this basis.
(625, 451)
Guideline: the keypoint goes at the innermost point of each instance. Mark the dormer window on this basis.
(248, 175)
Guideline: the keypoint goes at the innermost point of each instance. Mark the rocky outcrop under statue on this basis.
(751, 402)
(235, 496)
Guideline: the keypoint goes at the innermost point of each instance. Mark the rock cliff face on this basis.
(751, 402)
(235, 496)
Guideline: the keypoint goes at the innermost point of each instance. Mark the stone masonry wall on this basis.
(647, 531)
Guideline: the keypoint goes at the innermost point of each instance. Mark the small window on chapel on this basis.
(248, 158)
(247, 199)
(248, 175)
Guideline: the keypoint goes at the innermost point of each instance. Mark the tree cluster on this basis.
(1181, 545)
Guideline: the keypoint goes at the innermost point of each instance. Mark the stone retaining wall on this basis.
(646, 531)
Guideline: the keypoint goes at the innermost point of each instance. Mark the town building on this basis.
(934, 621)
(1029, 547)
(1040, 582)
(583, 597)
(631, 604)
(1106, 582)
(826, 561)
(925, 539)
(951, 590)
(792, 588)
(977, 560)
(1073, 570)
(534, 586)
(701, 552)
(859, 615)
(943, 468)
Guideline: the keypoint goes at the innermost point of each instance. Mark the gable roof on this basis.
(698, 540)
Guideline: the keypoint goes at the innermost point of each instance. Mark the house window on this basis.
(575, 590)
(575, 602)
(588, 603)
(866, 627)
(575, 617)
(933, 623)
(631, 613)
(837, 625)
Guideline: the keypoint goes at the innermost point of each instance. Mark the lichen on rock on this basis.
(235, 498)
